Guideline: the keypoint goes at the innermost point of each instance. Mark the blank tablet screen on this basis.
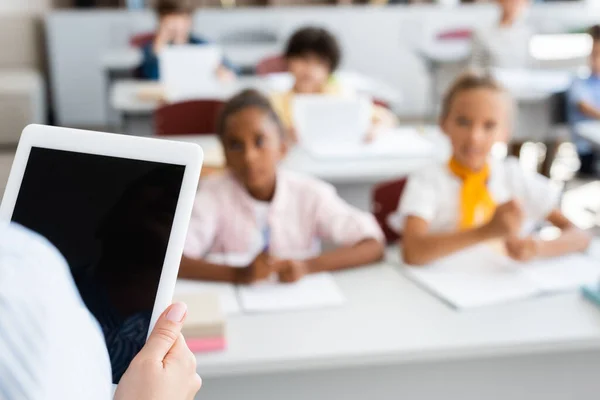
(111, 218)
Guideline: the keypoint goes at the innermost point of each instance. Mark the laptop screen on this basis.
(111, 219)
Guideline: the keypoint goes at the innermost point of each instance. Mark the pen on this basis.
(266, 238)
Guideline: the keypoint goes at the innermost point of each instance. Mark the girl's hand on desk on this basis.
(507, 220)
(260, 269)
(165, 368)
(291, 270)
(523, 249)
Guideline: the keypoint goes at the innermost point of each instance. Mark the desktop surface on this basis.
(387, 319)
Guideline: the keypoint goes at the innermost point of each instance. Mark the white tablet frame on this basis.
(131, 147)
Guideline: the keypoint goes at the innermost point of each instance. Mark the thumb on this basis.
(165, 332)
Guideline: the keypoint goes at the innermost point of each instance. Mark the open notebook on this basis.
(311, 292)
(481, 276)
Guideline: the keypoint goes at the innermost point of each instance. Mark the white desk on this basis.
(393, 340)
(533, 89)
(447, 51)
(126, 58)
(354, 178)
(532, 85)
(590, 130)
(130, 96)
(125, 94)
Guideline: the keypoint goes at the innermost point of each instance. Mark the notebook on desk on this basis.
(480, 277)
(313, 291)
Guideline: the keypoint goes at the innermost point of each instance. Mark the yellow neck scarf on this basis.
(476, 204)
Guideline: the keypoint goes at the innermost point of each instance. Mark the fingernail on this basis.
(177, 312)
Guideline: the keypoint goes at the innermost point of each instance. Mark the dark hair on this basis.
(469, 80)
(316, 41)
(594, 32)
(168, 7)
(245, 99)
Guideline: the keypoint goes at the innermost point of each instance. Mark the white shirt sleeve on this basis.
(341, 223)
(419, 199)
(537, 194)
(50, 345)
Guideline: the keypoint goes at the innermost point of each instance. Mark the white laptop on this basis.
(117, 207)
(333, 127)
(189, 71)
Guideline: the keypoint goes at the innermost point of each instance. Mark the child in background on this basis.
(175, 27)
(505, 45)
(258, 209)
(584, 105)
(312, 56)
(473, 198)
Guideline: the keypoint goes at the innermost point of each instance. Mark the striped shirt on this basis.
(502, 47)
(50, 345)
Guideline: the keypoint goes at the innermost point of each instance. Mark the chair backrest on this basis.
(381, 103)
(141, 39)
(559, 108)
(385, 198)
(187, 118)
(271, 65)
(455, 34)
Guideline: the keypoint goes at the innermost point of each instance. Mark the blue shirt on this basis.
(150, 69)
(582, 90)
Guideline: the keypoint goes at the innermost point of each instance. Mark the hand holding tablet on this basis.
(165, 368)
(117, 208)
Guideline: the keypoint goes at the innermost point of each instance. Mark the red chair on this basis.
(384, 201)
(142, 39)
(271, 65)
(455, 34)
(381, 103)
(187, 118)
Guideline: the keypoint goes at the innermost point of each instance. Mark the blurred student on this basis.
(277, 217)
(584, 105)
(312, 56)
(175, 28)
(505, 44)
(473, 198)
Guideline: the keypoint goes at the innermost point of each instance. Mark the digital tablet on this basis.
(117, 207)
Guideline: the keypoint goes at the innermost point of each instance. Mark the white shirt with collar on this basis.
(433, 194)
(51, 347)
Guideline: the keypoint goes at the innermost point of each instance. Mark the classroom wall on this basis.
(36, 6)
(381, 42)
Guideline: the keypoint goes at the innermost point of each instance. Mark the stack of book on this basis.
(204, 327)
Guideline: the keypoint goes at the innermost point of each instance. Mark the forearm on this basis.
(589, 110)
(424, 249)
(202, 270)
(572, 240)
(365, 252)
